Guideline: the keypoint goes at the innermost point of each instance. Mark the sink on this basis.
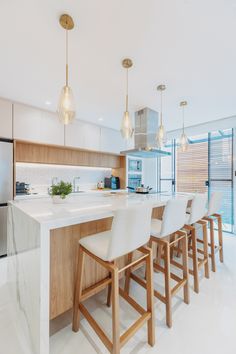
(78, 192)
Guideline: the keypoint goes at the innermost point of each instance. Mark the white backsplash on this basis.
(40, 176)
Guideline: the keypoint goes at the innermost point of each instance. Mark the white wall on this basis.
(219, 124)
(234, 177)
(40, 176)
(150, 172)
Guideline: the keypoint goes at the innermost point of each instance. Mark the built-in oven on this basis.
(134, 165)
(134, 180)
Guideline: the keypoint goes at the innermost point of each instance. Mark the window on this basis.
(206, 166)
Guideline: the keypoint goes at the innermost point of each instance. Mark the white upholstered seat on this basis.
(98, 244)
(174, 218)
(214, 203)
(130, 230)
(198, 209)
(156, 227)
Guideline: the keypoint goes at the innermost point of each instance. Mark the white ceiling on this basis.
(188, 45)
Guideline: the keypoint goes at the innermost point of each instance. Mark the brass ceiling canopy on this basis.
(127, 63)
(66, 21)
(161, 87)
(183, 103)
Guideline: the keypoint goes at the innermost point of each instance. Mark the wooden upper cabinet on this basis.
(5, 119)
(82, 135)
(32, 124)
(111, 141)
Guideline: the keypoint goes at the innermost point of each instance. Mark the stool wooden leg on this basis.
(149, 245)
(185, 268)
(150, 299)
(109, 295)
(168, 285)
(127, 274)
(109, 291)
(219, 219)
(158, 256)
(195, 261)
(212, 238)
(78, 290)
(205, 245)
(115, 313)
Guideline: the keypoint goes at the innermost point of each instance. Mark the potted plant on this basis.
(60, 191)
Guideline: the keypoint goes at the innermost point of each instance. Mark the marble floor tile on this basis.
(207, 325)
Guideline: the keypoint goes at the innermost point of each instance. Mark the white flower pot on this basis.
(58, 200)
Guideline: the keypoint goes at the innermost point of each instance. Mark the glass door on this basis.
(192, 166)
(167, 169)
(206, 166)
(220, 172)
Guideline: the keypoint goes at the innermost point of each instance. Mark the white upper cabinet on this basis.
(26, 123)
(83, 135)
(51, 129)
(35, 125)
(5, 119)
(112, 141)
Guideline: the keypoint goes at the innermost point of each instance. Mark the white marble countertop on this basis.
(85, 207)
(90, 191)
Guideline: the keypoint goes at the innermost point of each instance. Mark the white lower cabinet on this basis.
(82, 135)
(32, 124)
(5, 119)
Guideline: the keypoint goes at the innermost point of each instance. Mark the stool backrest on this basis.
(198, 207)
(174, 216)
(130, 230)
(214, 203)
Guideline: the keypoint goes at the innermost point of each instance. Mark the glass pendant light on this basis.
(183, 142)
(126, 125)
(161, 134)
(66, 105)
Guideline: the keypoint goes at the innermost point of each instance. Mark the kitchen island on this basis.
(42, 246)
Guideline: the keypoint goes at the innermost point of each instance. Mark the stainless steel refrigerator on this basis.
(6, 189)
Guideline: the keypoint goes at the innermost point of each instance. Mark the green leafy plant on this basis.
(62, 189)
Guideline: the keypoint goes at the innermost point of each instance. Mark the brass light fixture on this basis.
(66, 105)
(183, 142)
(126, 125)
(161, 134)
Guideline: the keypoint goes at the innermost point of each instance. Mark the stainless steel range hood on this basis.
(146, 125)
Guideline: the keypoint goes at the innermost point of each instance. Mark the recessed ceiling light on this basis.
(48, 103)
(100, 119)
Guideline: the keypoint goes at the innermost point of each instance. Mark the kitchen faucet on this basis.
(54, 180)
(75, 184)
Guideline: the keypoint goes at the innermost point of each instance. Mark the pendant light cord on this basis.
(127, 89)
(67, 67)
(161, 108)
(183, 118)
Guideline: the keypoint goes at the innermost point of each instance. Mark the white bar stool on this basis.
(193, 219)
(211, 216)
(173, 220)
(130, 231)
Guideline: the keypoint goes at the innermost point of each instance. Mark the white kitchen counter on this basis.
(85, 192)
(30, 222)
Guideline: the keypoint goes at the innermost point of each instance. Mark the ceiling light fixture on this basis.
(161, 134)
(126, 125)
(66, 106)
(183, 142)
